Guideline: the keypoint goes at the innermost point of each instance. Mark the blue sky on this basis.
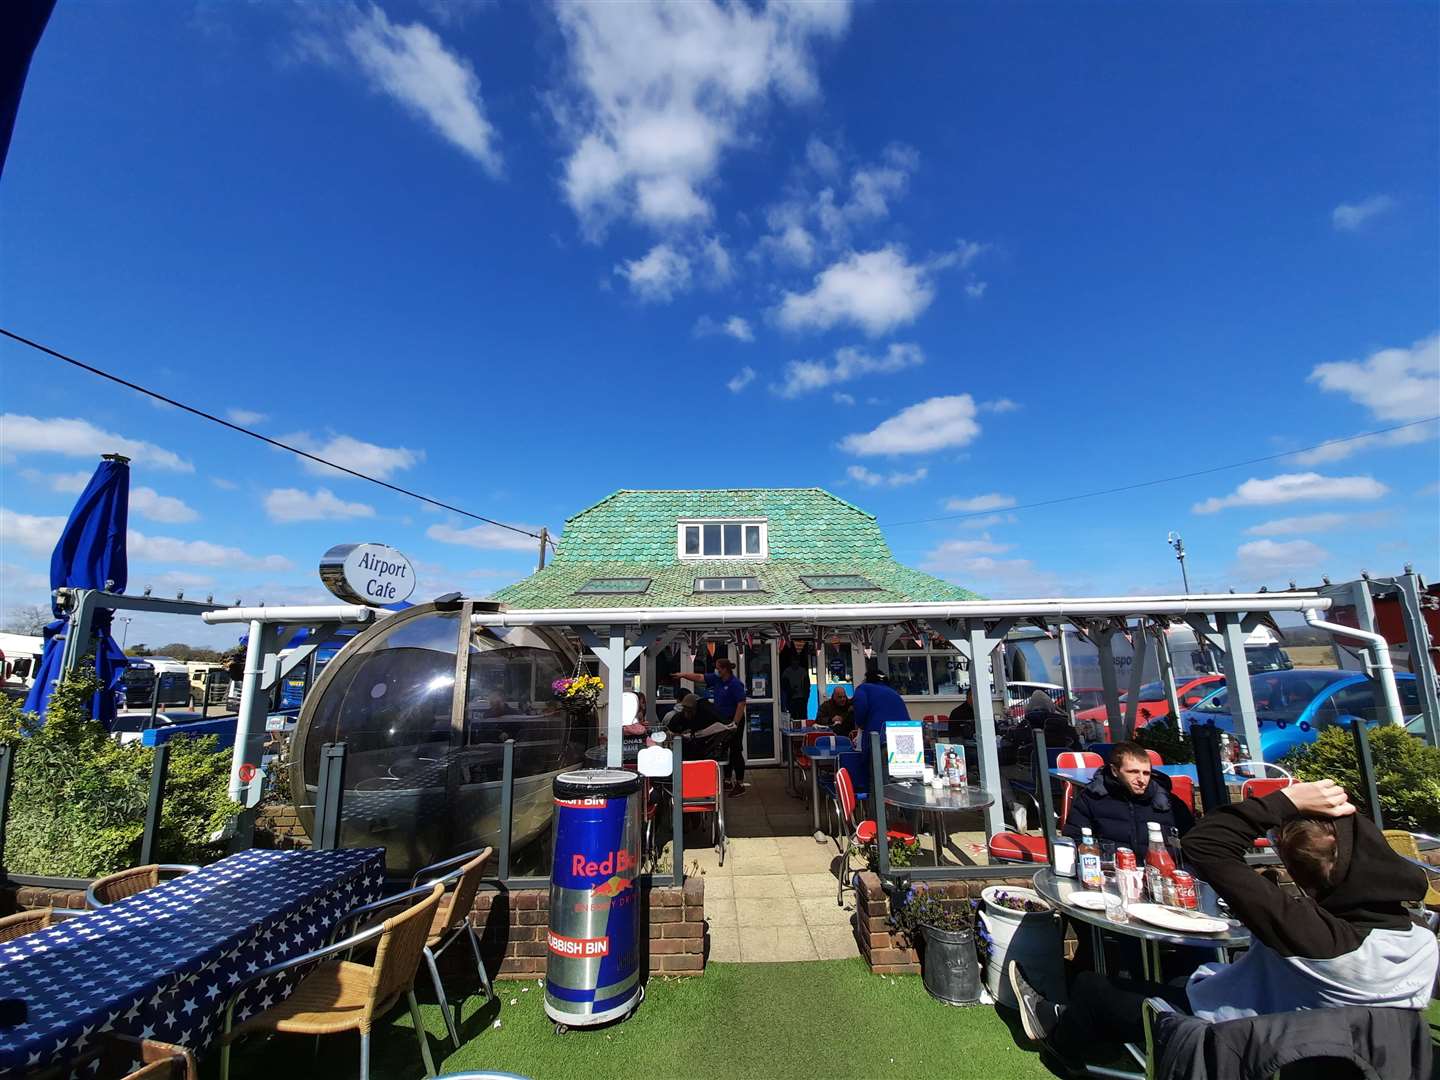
(938, 258)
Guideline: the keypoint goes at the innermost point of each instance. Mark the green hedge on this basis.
(1407, 773)
(1163, 735)
(77, 804)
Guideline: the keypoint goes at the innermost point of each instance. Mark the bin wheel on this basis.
(561, 1029)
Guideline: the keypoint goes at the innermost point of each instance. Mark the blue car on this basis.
(1294, 706)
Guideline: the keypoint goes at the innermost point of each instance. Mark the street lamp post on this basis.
(124, 634)
(1176, 542)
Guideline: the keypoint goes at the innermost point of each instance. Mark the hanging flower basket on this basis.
(579, 693)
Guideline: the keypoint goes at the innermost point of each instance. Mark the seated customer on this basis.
(837, 713)
(1123, 798)
(1347, 939)
(1042, 712)
(708, 735)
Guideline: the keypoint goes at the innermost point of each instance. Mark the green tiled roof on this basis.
(809, 531)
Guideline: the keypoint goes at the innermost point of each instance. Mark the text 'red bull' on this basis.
(616, 862)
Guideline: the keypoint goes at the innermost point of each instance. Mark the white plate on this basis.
(1087, 899)
(1168, 918)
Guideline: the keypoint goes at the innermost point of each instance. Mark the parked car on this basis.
(1017, 695)
(1294, 706)
(1153, 702)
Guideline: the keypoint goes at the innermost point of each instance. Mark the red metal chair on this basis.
(1183, 788)
(1016, 847)
(1259, 789)
(1155, 758)
(856, 832)
(702, 792)
(1079, 759)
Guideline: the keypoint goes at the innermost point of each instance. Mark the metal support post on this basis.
(507, 804)
(1138, 651)
(1410, 589)
(1366, 766)
(159, 768)
(1040, 761)
(1237, 680)
(877, 795)
(1103, 637)
(1066, 680)
(677, 810)
(329, 796)
(973, 638)
(1208, 771)
(250, 721)
(1167, 671)
(154, 703)
(7, 759)
(205, 700)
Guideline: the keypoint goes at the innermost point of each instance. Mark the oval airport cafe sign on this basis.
(371, 574)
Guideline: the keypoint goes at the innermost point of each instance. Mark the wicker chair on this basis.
(452, 921)
(339, 995)
(29, 922)
(148, 1058)
(116, 887)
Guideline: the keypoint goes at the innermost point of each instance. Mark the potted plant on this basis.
(945, 932)
(1016, 924)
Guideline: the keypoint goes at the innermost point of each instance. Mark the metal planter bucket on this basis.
(949, 966)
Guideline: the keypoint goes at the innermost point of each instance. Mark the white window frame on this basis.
(696, 590)
(929, 652)
(683, 523)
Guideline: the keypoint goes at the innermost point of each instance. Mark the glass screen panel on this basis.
(752, 539)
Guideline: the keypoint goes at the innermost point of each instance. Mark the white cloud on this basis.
(999, 405)
(1276, 558)
(976, 289)
(951, 555)
(74, 437)
(735, 327)
(1316, 523)
(872, 190)
(820, 157)
(978, 504)
(874, 290)
(930, 425)
(70, 483)
(224, 484)
(659, 92)
(840, 398)
(972, 563)
(1396, 385)
(1339, 451)
(149, 503)
(659, 275)
(862, 475)
(1295, 487)
(245, 417)
(986, 521)
(1350, 217)
(380, 462)
(805, 376)
(486, 537)
(409, 63)
(16, 581)
(38, 534)
(717, 260)
(743, 378)
(293, 504)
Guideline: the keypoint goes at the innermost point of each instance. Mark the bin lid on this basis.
(598, 783)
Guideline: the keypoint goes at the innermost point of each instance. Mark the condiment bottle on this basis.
(1159, 865)
(1088, 856)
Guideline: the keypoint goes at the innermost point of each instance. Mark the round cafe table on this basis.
(792, 737)
(936, 803)
(1057, 891)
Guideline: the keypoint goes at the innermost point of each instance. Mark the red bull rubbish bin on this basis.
(592, 970)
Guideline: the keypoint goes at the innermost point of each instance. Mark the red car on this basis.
(1153, 702)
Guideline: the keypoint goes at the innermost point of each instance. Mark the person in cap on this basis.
(728, 694)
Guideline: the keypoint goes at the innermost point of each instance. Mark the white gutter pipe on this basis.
(296, 613)
(1379, 649)
(829, 614)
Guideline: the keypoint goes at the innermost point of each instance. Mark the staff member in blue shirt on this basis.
(727, 693)
(876, 704)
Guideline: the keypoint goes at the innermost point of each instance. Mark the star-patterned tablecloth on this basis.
(161, 964)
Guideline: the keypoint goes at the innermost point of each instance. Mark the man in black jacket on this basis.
(1123, 798)
(1346, 939)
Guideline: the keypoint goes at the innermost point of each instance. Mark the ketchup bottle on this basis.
(1159, 865)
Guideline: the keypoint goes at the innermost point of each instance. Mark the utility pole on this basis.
(124, 634)
(544, 539)
(1176, 542)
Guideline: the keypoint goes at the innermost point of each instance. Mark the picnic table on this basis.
(160, 964)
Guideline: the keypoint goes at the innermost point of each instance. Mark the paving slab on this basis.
(749, 886)
(761, 911)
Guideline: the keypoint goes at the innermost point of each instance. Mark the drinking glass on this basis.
(1114, 890)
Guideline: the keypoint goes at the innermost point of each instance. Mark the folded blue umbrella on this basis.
(89, 555)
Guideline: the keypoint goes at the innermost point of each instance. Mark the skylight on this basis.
(613, 586)
(837, 582)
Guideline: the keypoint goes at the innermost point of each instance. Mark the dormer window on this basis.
(722, 538)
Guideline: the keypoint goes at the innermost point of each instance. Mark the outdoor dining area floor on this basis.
(773, 899)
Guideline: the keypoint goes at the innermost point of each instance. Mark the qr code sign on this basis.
(905, 745)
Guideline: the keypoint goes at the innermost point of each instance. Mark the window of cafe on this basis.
(928, 672)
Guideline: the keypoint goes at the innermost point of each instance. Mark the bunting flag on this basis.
(694, 638)
(710, 648)
(782, 633)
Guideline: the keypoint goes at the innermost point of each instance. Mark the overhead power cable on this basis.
(262, 438)
(1159, 480)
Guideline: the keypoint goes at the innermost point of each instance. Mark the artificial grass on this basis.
(826, 1018)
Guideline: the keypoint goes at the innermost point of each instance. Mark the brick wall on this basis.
(512, 930)
(15, 898)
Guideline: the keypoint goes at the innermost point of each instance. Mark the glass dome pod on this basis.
(424, 701)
